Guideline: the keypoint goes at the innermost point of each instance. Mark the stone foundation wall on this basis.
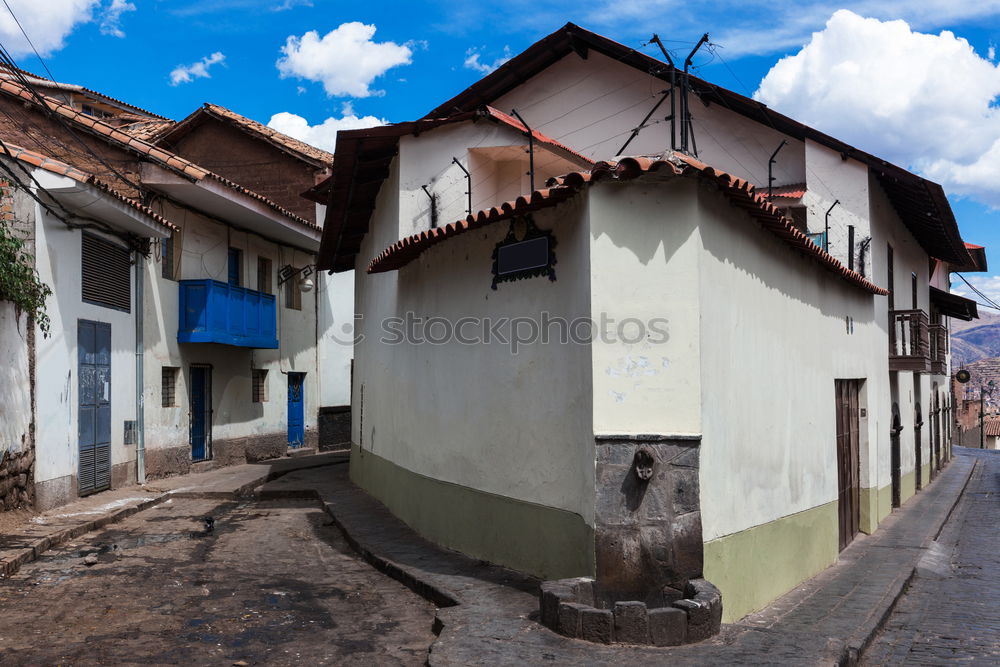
(169, 461)
(17, 476)
(647, 533)
(334, 427)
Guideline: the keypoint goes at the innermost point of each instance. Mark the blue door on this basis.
(296, 422)
(201, 413)
(94, 414)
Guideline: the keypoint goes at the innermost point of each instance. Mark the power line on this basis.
(37, 55)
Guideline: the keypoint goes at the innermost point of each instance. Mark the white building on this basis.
(220, 367)
(780, 351)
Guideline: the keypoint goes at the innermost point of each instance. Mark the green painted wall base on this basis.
(756, 566)
(544, 541)
(876, 504)
(907, 486)
(925, 475)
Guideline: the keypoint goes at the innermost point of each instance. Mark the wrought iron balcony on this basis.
(939, 348)
(215, 312)
(909, 341)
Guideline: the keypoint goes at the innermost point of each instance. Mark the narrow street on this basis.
(951, 610)
(271, 582)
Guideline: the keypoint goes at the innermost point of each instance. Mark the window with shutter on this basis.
(106, 273)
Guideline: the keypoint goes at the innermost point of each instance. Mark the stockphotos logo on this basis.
(514, 332)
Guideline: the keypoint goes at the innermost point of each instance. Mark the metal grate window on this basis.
(259, 385)
(167, 258)
(106, 273)
(170, 386)
(264, 275)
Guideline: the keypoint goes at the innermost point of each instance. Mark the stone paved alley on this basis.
(951, 612)
(273, 583)
(276, 582)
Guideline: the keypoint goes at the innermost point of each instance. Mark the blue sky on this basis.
(415, 54)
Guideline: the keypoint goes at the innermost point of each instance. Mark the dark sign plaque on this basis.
(526, 254)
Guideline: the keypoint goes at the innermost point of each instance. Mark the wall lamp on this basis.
(286, 273)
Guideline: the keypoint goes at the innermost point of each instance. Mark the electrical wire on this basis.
(975, 289)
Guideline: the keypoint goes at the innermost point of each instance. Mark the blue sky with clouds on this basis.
(914, 82)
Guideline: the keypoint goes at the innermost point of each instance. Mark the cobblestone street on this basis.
(951, 613)
(272, 582)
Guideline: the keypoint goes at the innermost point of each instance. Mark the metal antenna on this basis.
(468, 182)
(826, 228)
(641, 125)
(686, 127)
(673, 91)
(531, 150)
(770, 164)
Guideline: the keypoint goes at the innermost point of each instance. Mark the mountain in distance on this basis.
(978, 339)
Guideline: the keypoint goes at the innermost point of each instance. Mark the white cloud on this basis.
(472, 61)
(323, 135)
(291, 4)
(198, 70)
(47, 22)
(988, 285)
(345, 60)
(923, 101)
(111, 21)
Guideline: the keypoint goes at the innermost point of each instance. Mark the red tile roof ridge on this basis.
(288, 142)
(160, 155)
(740, 191)
(61, 168)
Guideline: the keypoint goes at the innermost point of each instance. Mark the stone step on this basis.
(295, 452)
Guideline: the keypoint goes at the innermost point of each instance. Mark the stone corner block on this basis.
(570, 614)
(552, 594)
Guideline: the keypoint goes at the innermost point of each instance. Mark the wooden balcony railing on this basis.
(939, 348)
(909, 341)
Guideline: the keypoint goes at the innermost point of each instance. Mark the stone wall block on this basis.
(597, 625)
(631, 622)
(667, 626)
(569, 618)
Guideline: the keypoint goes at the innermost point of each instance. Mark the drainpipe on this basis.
(140, 423)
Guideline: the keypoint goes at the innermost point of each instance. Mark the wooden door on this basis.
(918, 423)
(848, 460)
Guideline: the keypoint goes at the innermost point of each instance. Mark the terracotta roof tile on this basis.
(793, 191)
(992, 427)
(80, 176)
(147, 129)
(163, 157)
(299, 149)
(740, 192)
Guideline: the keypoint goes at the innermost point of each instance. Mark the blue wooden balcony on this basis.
(214, 312)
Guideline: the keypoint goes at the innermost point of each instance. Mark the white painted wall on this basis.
(831, 179)
(57, 258)
(644, 257)
(15, 396)
(335, 297)
(516, 425)
(774, 338)
(204, 245)
(592, 106)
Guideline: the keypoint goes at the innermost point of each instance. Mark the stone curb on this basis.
(440, 597)
(35, 549)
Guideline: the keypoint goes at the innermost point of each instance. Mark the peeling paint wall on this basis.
(58, 260)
